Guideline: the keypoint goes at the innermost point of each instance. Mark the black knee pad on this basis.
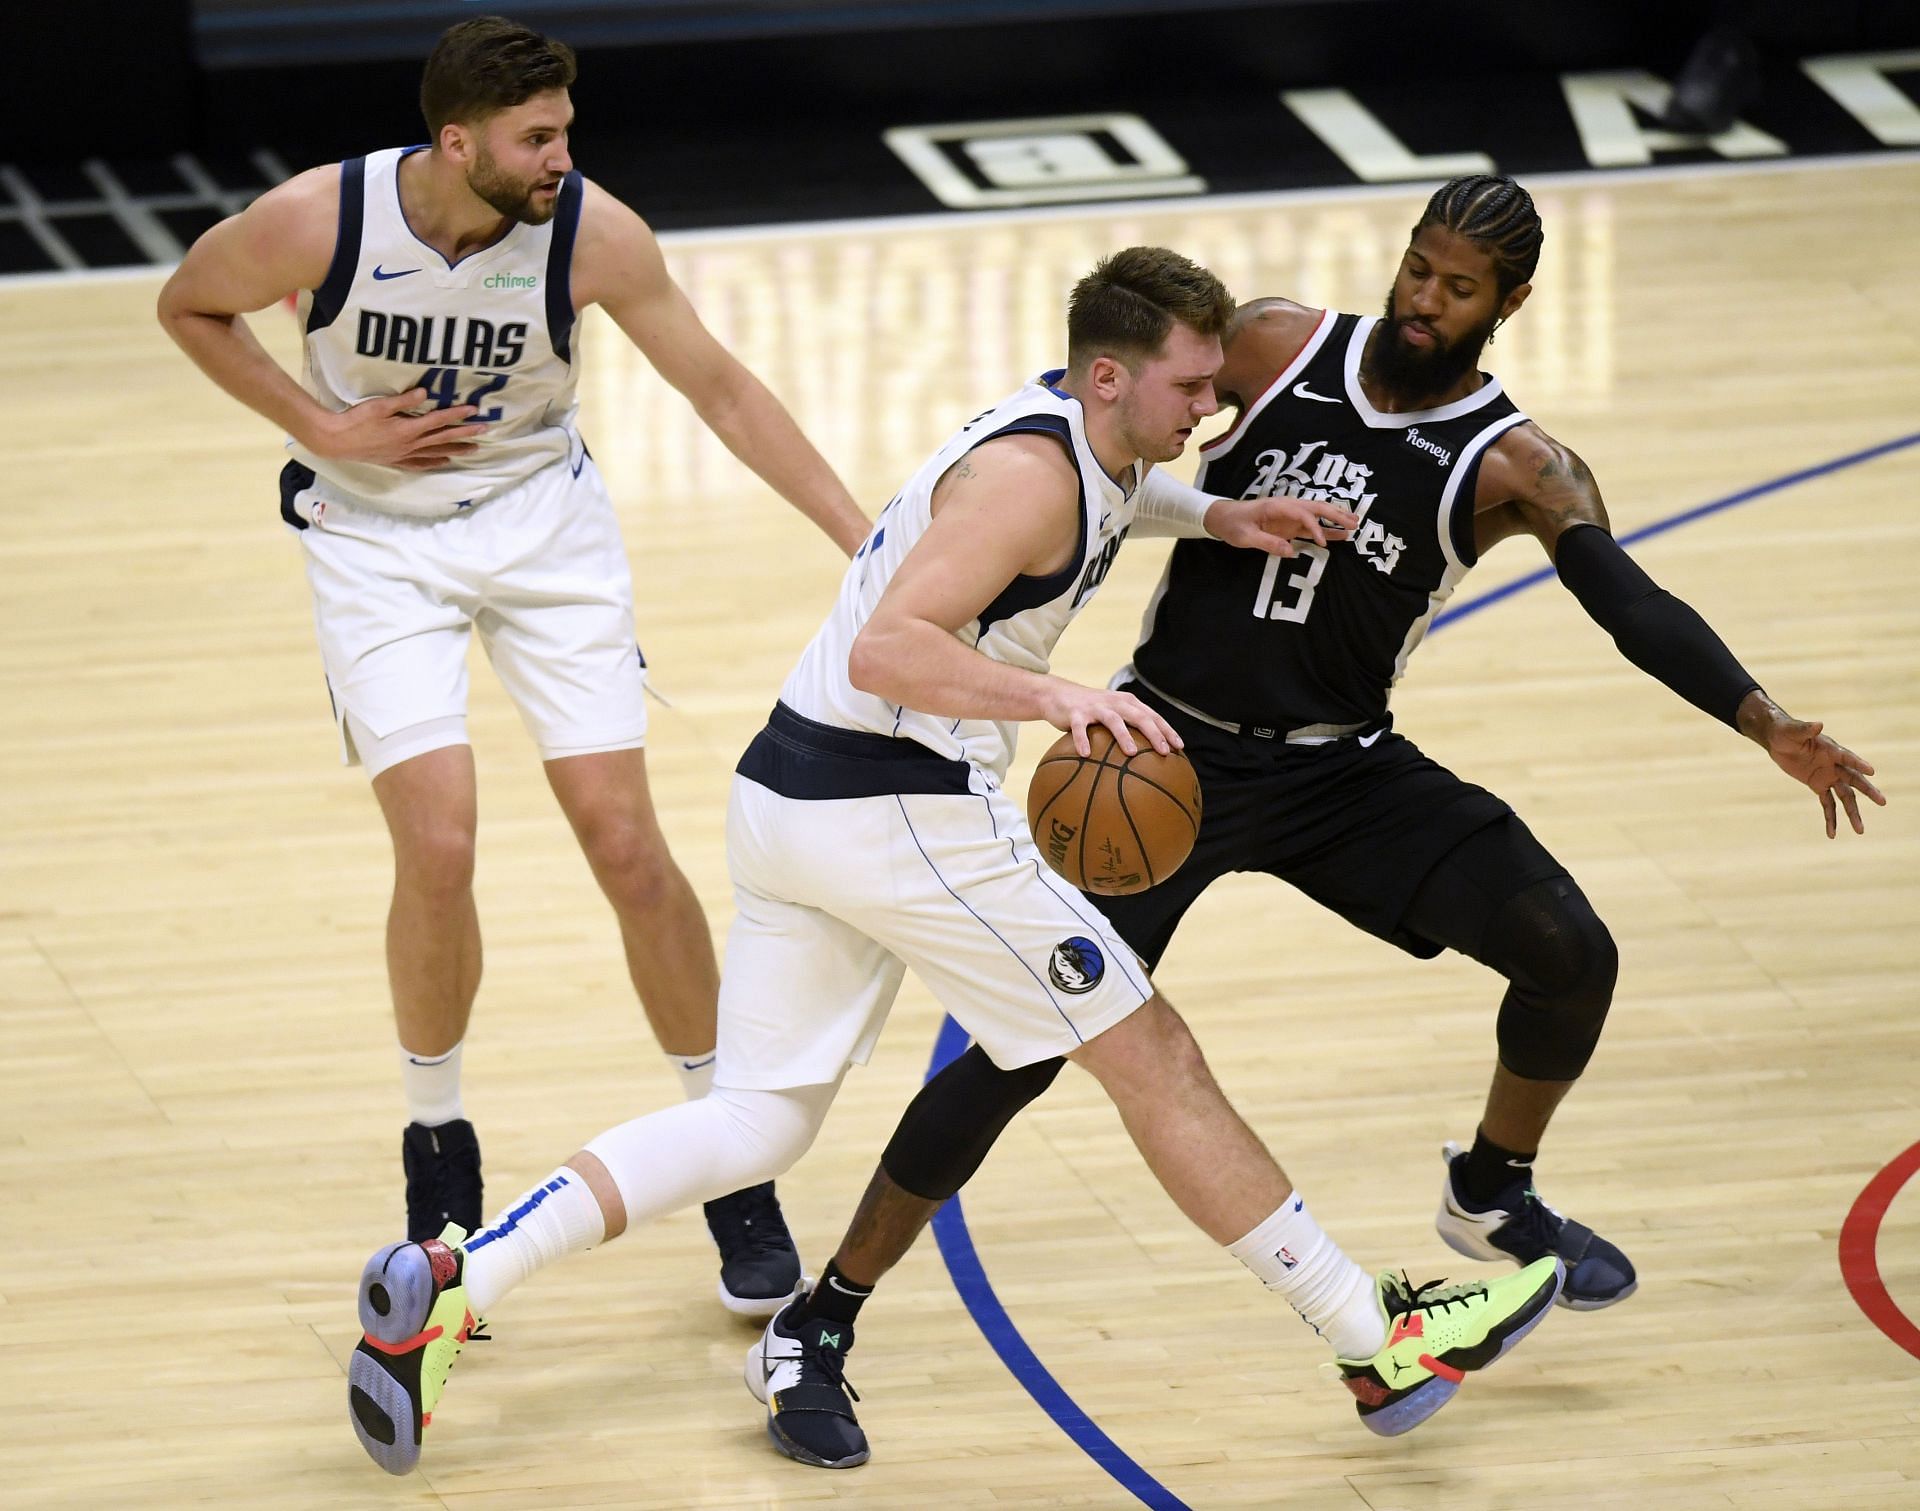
(948, 1128)
(1561, 964)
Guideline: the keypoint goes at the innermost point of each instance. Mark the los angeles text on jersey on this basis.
(439, 340)
(1316, 472)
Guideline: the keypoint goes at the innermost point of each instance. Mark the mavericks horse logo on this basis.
(1077, 965)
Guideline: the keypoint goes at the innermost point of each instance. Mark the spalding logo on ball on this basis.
(1109, 822)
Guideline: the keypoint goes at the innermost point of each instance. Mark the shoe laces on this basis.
(827, 1361)
(751, 1221)
(1536, 1221)
(1402, 1297)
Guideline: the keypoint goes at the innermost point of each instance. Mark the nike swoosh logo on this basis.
(1367, 740)
(1300, 388)
(383, 276)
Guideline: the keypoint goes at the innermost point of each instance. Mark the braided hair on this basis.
(1496, 214)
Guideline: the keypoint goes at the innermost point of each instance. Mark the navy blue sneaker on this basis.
(798, 1369)
(442, 1166)
(759, 1266)
(1516, 1225)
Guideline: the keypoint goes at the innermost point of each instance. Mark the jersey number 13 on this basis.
(1292, 599)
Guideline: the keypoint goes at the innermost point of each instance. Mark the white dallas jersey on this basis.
(1020, 627)
(494, 329)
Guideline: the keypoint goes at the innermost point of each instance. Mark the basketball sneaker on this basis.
(1436, 1334)
(798, 1370)
(442, 1165)
(1517, 1226)
(413, 1310)
(759, 1266)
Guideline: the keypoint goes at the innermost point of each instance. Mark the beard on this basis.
(512, 198)
(1409, 372)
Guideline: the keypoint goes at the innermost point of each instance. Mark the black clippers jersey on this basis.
(1276, 643)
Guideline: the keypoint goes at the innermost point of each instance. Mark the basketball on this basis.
(1109, 822)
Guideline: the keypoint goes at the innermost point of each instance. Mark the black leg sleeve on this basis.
(948, 1128)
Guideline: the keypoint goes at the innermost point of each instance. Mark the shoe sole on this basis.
(1424, 1400)
(760, 1308)
(1596, 1303)
(801, 1455)
(396, 1292)
(396, 1296)
(382, 1412)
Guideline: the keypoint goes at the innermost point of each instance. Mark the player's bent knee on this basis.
(950, 1125)
(1563, 963)
(769, 1130)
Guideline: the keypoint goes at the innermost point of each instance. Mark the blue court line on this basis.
(950, 1222)
(983, 1305)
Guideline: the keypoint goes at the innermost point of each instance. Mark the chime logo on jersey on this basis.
(1077, 965)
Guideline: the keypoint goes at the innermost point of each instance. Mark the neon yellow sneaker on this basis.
(413, 1310)
(1436, 1333)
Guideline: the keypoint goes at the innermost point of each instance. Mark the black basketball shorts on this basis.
(1356, 824)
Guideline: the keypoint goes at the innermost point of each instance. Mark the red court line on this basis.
(1859, 1236)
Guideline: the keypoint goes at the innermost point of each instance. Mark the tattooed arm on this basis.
(1530, 483)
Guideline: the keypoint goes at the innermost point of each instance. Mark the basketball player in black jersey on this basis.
(1276, 673)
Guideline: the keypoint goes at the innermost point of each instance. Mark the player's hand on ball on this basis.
(382, 431)
(1273, 525)
(1074, 709)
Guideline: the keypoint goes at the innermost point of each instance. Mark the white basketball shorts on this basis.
(539, 570)
(836, 897)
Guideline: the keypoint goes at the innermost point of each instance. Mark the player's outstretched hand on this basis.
(1076, 709)
(1274, 525)
(1834, 772)
(380, 430)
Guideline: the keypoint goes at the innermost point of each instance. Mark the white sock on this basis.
(560, 1216)
(1295, 1259)
(432, 1086)
(695, 1073)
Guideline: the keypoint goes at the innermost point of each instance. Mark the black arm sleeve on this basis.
(1654, 630)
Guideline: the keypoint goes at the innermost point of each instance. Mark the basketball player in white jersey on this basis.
(869, 832)
(438, 482)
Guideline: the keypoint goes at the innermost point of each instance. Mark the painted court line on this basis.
(1858, 1265)
(1859, 1259)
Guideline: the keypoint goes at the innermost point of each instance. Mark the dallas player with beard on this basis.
(1276, 674)
(439, 483)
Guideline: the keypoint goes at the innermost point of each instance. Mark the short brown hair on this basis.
(489, 64)
(1126, 306)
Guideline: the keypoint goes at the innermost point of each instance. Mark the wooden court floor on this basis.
(199, 1107)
